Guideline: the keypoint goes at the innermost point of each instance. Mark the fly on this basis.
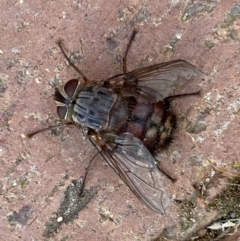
(128, 118)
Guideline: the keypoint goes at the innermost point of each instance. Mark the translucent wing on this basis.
(156, 82)
(136, 166)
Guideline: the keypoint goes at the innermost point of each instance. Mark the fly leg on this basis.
(170, 98)
(85, 176)
(124, 61)
(59, 43)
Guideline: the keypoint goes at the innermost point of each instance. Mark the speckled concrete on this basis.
(35, 173)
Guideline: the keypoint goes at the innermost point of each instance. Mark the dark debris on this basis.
(21, 217)
(72, 204)
(195, 8)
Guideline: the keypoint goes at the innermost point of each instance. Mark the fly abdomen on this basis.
(140, 119)
(159, 132)
(152, 123)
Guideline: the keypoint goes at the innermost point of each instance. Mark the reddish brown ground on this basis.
(34, 173)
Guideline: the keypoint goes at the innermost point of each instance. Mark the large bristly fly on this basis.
(129, 119)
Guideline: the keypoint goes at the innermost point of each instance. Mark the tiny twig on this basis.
(223, 171)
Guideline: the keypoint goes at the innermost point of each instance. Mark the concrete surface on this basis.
(35, 173)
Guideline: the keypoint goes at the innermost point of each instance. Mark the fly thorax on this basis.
(92, 107)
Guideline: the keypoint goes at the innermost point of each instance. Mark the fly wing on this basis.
(136, 166)
(156, 82)
(160, 80)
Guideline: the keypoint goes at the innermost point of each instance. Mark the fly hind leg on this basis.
(173, 97)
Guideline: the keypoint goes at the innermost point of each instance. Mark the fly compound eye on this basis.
(70, 87)
(65, 96)
(62, 112)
